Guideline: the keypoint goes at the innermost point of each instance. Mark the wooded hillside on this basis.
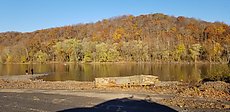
(144, 38)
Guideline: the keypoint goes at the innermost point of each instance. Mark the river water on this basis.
(87, 72)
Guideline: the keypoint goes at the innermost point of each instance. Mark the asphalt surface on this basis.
(24, 101)
(40, 102)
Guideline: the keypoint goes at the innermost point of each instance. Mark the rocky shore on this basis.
(208, 95)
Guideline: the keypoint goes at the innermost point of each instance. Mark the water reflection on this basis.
(87, 72)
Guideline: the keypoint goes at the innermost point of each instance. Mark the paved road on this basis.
(40, 102)
(67, 101)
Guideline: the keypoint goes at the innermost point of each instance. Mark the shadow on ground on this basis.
(124, 105)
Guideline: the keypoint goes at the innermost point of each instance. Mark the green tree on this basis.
(59, 52)
(195, 51)
(102, 50)
(9, 58)
(23, 59)
(41, 57)
(179, 52)
(89, 49)
(107, 52)
(7, 55)
(113, 54)
(68, 50)
(88, 57)
(217, 50)
(139, 50)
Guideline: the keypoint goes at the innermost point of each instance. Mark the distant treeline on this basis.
(144, 38)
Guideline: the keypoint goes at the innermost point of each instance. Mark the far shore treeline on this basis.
(144, 38)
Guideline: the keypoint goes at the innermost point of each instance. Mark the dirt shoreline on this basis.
(125, 62)
(208, 95)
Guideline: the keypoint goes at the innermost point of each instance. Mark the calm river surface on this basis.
(87, 72)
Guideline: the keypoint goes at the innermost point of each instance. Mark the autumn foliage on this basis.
(144, 38)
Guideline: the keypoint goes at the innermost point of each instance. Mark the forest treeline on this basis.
(144, 38)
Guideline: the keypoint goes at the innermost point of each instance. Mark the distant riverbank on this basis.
(125, 62)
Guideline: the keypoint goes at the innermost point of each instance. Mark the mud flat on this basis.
(22, 77)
